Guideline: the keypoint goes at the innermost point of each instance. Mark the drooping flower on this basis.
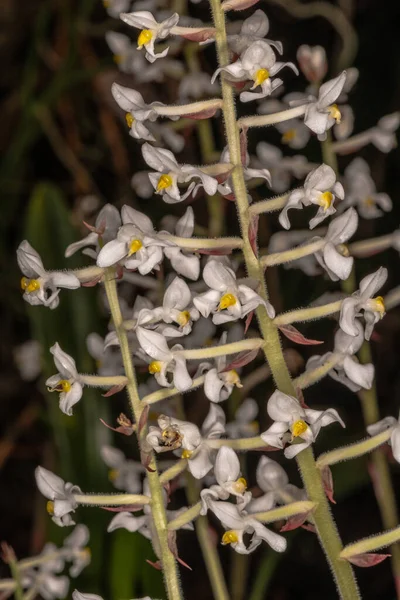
(293, 422)
(361, 191)
(124, 474)
(151, 31)
(61, 496)
(322, 113)
(227, 299)
(41, 286)
(274, 482)
(219, 383)
(383, 425)
(105, 229)
(172, 173)
(67, 381)
(320, 188)
(238, 523)
(253, 29)
(363, 300)
(182, 261)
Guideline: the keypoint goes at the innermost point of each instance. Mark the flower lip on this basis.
(62, 386)
(240, 485)
(288, 136)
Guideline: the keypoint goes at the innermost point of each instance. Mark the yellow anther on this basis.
(183, 318)
(260, 76)
(240, 485)
(326, 200)
(30, 285)
(230, 537)
(335, 113)
(155, 367)
(186, 453)
(288, 136)
(50, 507)
(298, 428)
(164, 182)
(64, 386)
(117, 58)
(233, 378)
(134, 247)
(144, 38)
(113, 474)
(379, 304)
(129, 119)
(226, 301)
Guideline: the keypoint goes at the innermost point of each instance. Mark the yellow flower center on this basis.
(233, 378)
(378, 305)
(129, 120)
(240, 485)
(30, 285)
(298, 428)
(144, 38)
(326, 200)
(186, 453)
(288, 136)
(335, 113)
(117, 58)
(260, 76)
(134, 247)
(113, 474)
(50, 507)
(226, 301)
(155, 367)
(62, 386)
(164, 182)
(183, 318)
(230, 537)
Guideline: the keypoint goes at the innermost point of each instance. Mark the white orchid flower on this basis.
(249, 173)
(67, 381)
(172, 173)
(293, 422)
(383, 425)
(253, 29)
(294, 133)
(383, 135)
(274, 482)
(60, 495)
(76, 551)
(333, 257)
(151, 30)
(219, 383)
(347, 370)
(258, 64)
(227, 473)
(137, 245)
(43, 580)
(172, 434)
(238, 523)
(105, 229)
(244, 424)
(312, 62)
(168, 365)
(182, 261)
(41, 286)
(363, 300)
(322, 113)
(124, 474)
(125, 54)
(361, 191)
(320, 188)
(227, 299)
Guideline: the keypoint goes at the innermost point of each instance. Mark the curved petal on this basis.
(282, 407)
(112, 253)
(227, 465)
(218, 277)
(69, 399)
(154, 344)
(131, 216)
(177, 295)
(64, 362)
(125, 520)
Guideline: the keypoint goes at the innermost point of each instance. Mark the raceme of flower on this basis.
(151, 31)
(320, 188)
(363, 300)
(41, 286)
(294, 424)
(227, 299)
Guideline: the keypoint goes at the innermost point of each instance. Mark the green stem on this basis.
(324, 523)
(169, 566)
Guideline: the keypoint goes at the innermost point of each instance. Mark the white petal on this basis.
(218, 277)
(126, 520)
(185, 225)
(182, 379)
(370, 284)
(111, 253)
(49, 484)
(113, 457)
(69, 399)
(64, 362)
(362, 375)
(177, 295)
(337, 263)
(227, 465)
(154, 344)
(29, 260)
(137, 218)
(282, 407)
(270, 475)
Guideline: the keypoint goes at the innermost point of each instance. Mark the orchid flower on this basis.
(182, 261)
(228, 300)
(124, 474)
(218, 382)
(253, 29)
(383, 425)
(312, 62)
(105, 229)
(60, 495)
(292, 423)
(67, 381)
(363, 300)
(151, 31)
(321, 113)
(361, 191)
(320, 188)
(172, 173)
(76, 551)
(41, 286)
(274, 482)
(383, 135)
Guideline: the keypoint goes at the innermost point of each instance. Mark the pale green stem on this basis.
(111, 499)
(280, 258)
(87, 274)
(223, 350)
(168, 562)
(174, 471)
(186, 517)
(352, 144)
(308, 314)
(188, 109)
(368, 247)
(97, 381)
(253, 379)
(312, 376)
(199, 243)
(251, 443)
(7, 585)
(169, 392)
(285, 512)
(29, 563)
(372, 543)
(264, 120)
(325, 526)
(354, 450)
(269, 205)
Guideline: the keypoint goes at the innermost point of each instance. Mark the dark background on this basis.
(62, 138)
